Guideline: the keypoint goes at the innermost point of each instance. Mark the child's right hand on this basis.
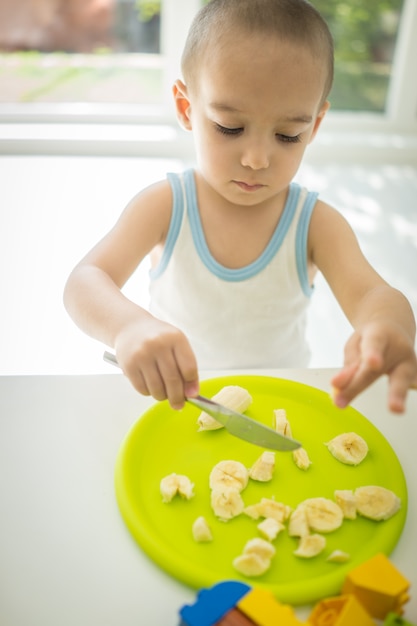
(158, 360)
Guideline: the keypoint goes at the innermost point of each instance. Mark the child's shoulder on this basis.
(325, 213)
(159, 191)
(329, 230)
(149, 211)
(156, 199)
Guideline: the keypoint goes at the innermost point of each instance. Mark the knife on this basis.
(236, 424)
(244, 427)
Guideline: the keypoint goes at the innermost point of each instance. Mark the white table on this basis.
(66, 556)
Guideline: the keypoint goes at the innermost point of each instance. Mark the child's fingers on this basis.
(364, 361)
(373, 347)
(361, 379)
(396, 398)
(162, 364)
(171, 381)
(154, 380)
(369, 349)
(138, 382)
(178, 374)
(401, 380)
(344, 377)
(188, 370)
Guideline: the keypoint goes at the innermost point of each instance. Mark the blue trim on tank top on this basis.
(301, 242)
(243, 273)
(174, 225)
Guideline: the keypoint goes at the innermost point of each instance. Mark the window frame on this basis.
(49, 128)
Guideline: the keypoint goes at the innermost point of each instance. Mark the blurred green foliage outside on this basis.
(365, 35)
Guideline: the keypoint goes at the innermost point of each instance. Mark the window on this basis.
(81, 51)
(108, 61)
(365, 35)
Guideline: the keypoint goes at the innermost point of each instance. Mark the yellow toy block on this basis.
(379, 586)
(340, 611)
(263, 609)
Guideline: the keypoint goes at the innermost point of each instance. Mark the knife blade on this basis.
(236, 424)
(245, 427)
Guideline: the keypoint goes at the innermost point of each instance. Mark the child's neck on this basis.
(237, 235)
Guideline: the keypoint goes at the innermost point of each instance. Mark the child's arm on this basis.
(382, 318)
(155, 356)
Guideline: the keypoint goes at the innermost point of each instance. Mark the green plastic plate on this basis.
(163, 441)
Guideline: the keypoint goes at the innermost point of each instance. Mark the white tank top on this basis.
(251, 317)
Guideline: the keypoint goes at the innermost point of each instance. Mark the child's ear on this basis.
(182, 104)
(319, 119)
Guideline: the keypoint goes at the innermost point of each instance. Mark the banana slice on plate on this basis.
(280, 422)
(233, 397)
(301, 458)
(174, 484)
(259, 546)
(338, 556)
(226, 504)
(263, 468)
(270, 528)
(310, 545)
(348, 448)
(282, 425)
(251, 565)
(268, 508)
(201, 530)
(298, 525)
(256, 557)
(228, 474)
(323, 515)
(376, 503)
(345, 498)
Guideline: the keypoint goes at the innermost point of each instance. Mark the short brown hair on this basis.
(289, 20)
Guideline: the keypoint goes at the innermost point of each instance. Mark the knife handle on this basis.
(110, 358)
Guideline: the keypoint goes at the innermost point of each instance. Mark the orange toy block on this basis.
(263, 608)
(379, 586)
(340, 611)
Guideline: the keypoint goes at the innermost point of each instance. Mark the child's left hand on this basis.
(380, 347)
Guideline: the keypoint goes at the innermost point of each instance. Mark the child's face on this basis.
(256, 106)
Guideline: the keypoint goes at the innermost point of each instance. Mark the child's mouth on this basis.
(247, 187)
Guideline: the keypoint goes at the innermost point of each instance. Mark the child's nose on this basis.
(256, 155)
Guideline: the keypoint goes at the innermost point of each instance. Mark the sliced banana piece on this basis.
(185, 487)
(310, 545)
(346, 500)
(233, 397)
(280, 422)
(228, 475)
(376, 503)
(256, 557)
(270, 528)
(259, 546)
(251, 565)
(168, 487)
(323, 515)
(348, 448)
(263, 468)
(298, 524)
(268, 508)
(201, 530)
(174, 484)
(338, 556)
(301, 458)
(226, 504)
(282, 425)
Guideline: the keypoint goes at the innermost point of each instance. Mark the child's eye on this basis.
(228, 131)
(288, 138)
